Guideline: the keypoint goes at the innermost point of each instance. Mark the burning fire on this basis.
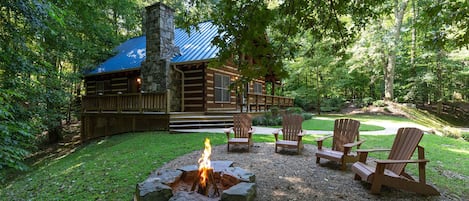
(204, 163)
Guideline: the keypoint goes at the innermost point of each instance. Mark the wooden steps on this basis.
(198, 120)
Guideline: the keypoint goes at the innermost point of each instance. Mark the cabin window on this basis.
(257, 88)
(103, 87)
(100, 87)
(222, 88)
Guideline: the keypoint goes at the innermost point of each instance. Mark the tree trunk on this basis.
(414, 39)
(439, 90)
(318, 91)
(399, 11)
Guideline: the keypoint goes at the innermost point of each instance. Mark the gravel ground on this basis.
(286, 176)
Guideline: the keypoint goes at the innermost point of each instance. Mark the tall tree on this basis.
(399, 11)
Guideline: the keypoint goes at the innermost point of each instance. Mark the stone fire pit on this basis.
(233, 183)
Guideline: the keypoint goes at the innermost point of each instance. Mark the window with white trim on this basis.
(222, 88)
(257, 88)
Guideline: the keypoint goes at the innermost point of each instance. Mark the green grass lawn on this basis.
(328, 125)
(366, 117)
(109, 169)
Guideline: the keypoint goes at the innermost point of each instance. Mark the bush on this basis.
(258, 121)
(307, 116)
(294, 110)
(270, 120)
(329, 109)
(379, 103)
(267, 120)
(335, 102)
(275, 111)
(367, 101)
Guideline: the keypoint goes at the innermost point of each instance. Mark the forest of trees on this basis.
(325, 51)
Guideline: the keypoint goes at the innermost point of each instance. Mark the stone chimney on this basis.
(159, 31)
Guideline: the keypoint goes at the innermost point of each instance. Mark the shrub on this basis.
(367, 101)
(379, 103)
(258, 121)
(267, 120)
(294, 110)
(307, 116)
(329, 109)
(334, 102)
(275, 111)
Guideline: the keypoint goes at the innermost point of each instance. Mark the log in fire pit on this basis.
(210, 181)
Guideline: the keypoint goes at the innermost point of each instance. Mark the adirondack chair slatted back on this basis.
(403, 148)
(291, 126)
(241, 125)
(345, 131)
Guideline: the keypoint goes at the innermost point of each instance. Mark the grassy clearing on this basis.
(366, 117)
(328, 125)
(439, 125)
(109, 169)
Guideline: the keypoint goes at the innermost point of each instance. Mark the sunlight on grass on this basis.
(459, 151)
(440, 126)
(366, 117)
(72, 168)
(328, 125)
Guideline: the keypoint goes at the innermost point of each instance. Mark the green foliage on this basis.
(328, 125)
(46, 46)
(465, 136)
(294, 110)
(275, 111)
(244, 24)
(268, 119)
(379, 103)
(15, 136)
(307, 116)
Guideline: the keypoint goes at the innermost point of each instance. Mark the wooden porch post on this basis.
(140, 105)
(168, 101)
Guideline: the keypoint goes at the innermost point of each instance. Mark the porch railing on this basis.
(261, 102)
(133, 102)
(158, 102)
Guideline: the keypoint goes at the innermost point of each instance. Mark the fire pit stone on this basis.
(160, 185)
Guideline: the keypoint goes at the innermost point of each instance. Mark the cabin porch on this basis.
(104, 115)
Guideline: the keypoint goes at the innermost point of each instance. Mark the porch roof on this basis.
(193, 47)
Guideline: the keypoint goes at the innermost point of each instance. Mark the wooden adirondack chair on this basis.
(242, 131)
(291, 131)
(343, 140)
(391, 172)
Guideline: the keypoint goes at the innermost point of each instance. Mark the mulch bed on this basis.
(286, 176)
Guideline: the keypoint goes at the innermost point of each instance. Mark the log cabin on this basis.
(161, 81)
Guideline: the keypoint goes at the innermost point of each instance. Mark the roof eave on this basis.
(112, 72)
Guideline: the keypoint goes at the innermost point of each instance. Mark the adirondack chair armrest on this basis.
(228, 131)
(276, 132)
(371, 150)
(401, 161)
(363, 153)
(320, 140)
(353, 144)
(323, 138)
(302, 132)
(348, 146)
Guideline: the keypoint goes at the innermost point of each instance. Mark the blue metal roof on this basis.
(195, 46)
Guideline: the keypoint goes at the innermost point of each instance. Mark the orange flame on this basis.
(204, 163)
